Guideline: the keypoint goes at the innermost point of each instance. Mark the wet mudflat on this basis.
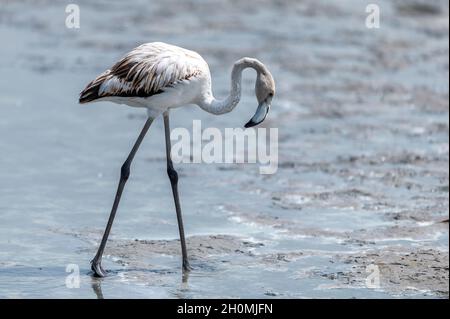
(363, 177)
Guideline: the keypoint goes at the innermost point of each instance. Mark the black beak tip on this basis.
(250, 124)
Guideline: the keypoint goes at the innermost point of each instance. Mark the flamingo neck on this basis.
(221, 106)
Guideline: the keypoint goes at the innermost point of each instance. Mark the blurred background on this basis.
(363, 181)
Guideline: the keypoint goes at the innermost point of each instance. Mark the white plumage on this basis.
(161, 76)
(155, 75)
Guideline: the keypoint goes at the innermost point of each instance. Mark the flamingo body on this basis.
(156, 75)
(159, 77)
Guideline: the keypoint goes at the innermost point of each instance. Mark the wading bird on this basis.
(159, 77)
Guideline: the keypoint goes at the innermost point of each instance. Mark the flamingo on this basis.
(159, 77)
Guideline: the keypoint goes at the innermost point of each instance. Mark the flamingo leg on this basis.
(173, 176)
(124, 175)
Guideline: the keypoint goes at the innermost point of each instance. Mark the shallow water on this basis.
(363, 154)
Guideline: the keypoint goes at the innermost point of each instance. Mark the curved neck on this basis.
(220, 106)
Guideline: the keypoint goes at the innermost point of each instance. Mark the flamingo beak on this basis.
(260, 115)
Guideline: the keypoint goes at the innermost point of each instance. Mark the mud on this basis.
(363, 176)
